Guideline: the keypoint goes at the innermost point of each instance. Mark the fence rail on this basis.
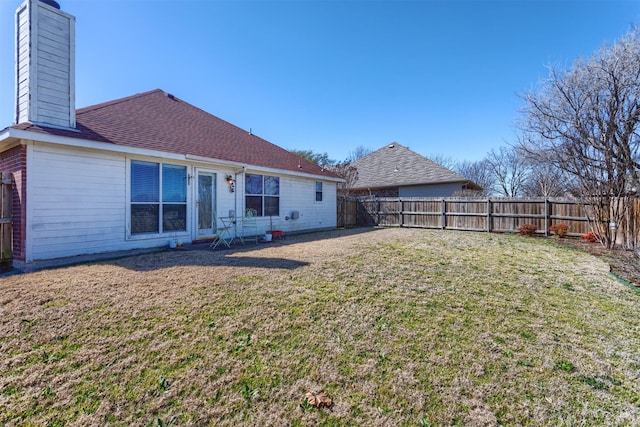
(474, 214)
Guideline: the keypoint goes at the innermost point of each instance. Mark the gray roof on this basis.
(394, 165)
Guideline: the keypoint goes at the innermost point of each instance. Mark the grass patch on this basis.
(399, 327)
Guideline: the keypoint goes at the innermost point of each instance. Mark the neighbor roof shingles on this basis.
(395, 165)
(155, 120)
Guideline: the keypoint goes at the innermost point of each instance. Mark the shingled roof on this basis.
(159, 121)
(395, 165)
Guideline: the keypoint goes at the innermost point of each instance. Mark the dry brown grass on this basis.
(397, 326)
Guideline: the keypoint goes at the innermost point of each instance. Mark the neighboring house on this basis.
(396, 171)
(135, 172)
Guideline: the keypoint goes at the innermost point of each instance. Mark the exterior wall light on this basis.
(232, 183)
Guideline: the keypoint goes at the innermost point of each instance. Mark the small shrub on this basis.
(560, 229)
(527, 229)
(590, 237)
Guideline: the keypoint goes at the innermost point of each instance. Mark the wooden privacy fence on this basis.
(347, 215)
(6, 206)
(473, 214)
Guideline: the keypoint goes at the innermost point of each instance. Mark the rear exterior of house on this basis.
(136, 172)
(73, 201)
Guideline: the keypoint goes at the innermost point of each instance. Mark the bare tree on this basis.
(446, 161)
(510, 171)
(350, 175)
(359, 152)
(546, 180)
(585, 121)
(478, 172)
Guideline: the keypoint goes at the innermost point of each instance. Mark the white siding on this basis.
(76, 203)
(45, 58)
(299, 194)
(296, 194)
(23, 40)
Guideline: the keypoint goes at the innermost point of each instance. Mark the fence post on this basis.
(344, 211)
(443, 209)
(489, 218)
(547, 216)
(401, 211)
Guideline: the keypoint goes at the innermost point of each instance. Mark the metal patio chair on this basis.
(224, 234)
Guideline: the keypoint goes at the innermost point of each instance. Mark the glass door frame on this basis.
(205, 232)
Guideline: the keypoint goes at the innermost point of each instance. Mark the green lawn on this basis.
(399, 327)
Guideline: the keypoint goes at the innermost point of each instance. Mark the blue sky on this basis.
(441, 77)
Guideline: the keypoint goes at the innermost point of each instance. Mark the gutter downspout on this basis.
(235, 197)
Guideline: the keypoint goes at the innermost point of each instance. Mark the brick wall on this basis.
(15, 162)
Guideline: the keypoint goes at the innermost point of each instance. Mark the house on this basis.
(396, 171)
(135, 172)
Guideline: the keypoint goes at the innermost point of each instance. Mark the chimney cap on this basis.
(52, 3)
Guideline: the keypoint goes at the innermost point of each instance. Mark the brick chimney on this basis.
(45, 65)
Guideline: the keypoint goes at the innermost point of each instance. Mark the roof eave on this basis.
(210, 160)
(20, 134)
(7, 139)
(406, 184)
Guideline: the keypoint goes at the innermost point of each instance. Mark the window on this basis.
(158, 198)
(318, 191)
(262, 193)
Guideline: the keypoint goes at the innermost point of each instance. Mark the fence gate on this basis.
(346, 214)
(6, 207)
